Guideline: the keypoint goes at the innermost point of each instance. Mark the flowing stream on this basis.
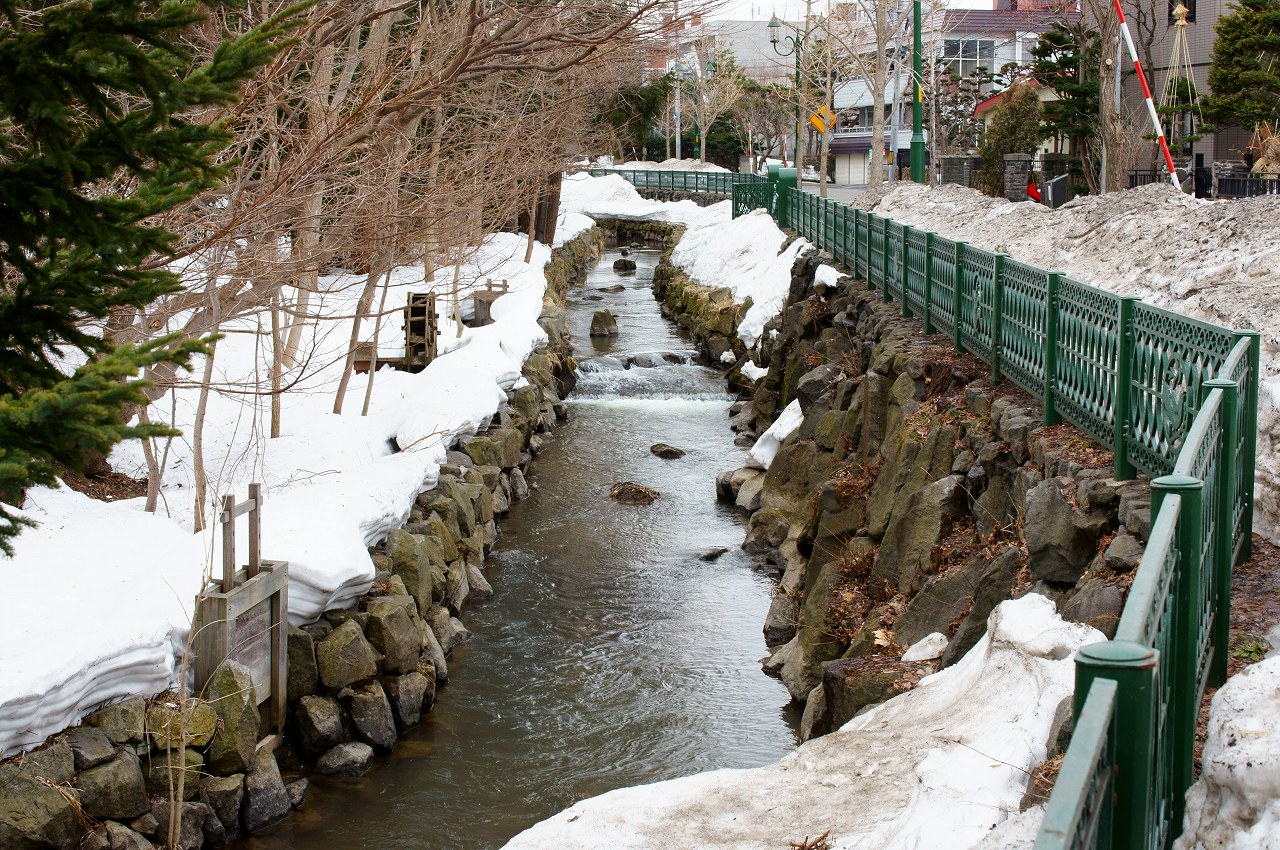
(612, 655)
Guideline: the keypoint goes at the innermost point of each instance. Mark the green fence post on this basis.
(1249, 427)
(788, 179)
(905, 272)
(928, 281)
(772, 179)
(1225, 544)
(886, 288)
(1184, 665)
(1133, 668)
(997, 320)
(957, 297)
(1048, 397)
(1124, 469)
(871, 224)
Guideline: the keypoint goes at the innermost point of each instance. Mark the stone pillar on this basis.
(1017, 170)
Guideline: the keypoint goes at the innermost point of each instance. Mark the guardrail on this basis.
(1247, 186)
(1173, 397)
(712, 182)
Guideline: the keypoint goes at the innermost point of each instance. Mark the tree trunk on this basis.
(197, 443)
(373, 355)
(362, 310)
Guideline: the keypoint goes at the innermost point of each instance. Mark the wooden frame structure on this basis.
(245, 615)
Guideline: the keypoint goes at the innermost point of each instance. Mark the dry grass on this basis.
(821, 842)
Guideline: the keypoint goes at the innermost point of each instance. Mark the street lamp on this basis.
(797, 46)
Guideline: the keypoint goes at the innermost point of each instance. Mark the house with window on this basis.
(958, 41)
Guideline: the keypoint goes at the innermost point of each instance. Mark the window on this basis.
(1191, 10)
(963, 56)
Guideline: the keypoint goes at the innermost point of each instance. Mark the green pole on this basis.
(917, 101)
(795, 157)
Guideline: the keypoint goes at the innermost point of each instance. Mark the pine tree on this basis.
(1016, 127)
(1244, 72)
(1064, 63)
(97, 139)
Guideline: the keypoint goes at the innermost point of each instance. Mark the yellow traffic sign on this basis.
(823, 119)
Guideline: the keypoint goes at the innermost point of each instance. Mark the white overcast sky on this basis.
(762, 10)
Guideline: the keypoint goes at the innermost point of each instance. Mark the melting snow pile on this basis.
(938, 766)
(672, 164)
(766, 448)
(1214, 260)
(745, 254)
(1235, 804)
(612, 196)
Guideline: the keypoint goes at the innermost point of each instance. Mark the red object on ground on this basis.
(1032, 192)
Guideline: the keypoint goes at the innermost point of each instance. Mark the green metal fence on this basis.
(712, 182)
(1174, 398)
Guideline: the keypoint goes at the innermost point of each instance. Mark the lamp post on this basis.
(917, 99)
(797, 46)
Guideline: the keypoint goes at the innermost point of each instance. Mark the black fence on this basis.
(1248, 185)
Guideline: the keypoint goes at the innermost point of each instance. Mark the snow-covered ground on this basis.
(1213, 260)
(938, 766)
(101, 593)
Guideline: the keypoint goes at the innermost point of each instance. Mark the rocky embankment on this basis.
(357, 678)
(912, 498)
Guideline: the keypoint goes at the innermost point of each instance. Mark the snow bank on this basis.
(1235, 804)
(334, 485)
(938, 766)
(744, 254)
(766, 447)
(612, 196)
(1212, 260)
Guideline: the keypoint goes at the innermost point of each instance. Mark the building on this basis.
(962, 40)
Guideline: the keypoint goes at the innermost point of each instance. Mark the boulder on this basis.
(303, 676)
(120, 837)
(993, 587)
(123, 722)
(171, 725)
(230, 692)
(519, 487)
(750, 493)
(90, 747)
(1124, 553)
(114, 789)
(33, 815)
(346, 760)
(55, 762)
(432, 652)
(215, 834)
(297, 791)
(624, 264)
(191, 818)
(852, 684)
(631, 493)
(1095, 603)
(815, 383)
(393, 634)
(345, 657)
(265, 800)
(714, 554)
(478, 586)
(942, 601)
(603, 324)
(224, 795)
(318, 720)
(457, 586)
(816, 718)
(163, 768)
(666, 452)
(905, 556)
(1060, 541)
(482, 450)
(371, 715)
(407, 695)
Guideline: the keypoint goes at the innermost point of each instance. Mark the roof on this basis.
(961, 21)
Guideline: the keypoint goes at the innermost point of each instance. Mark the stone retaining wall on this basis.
(913, 498)
(357, 678)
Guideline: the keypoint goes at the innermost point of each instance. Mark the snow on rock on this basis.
(1235, 804)
(938, 766)
(746, 255)
(827, 275)
(752, 371)
(929, 647)
(1212, 260)
(766, 447)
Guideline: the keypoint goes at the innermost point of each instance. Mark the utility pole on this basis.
(917, 98)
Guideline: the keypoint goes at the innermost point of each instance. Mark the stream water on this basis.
(612, 655)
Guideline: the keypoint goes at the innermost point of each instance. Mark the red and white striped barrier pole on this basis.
(1146, 92)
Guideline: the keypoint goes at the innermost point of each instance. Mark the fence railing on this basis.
(1174, 398)
(1248, 186)
(712, 182)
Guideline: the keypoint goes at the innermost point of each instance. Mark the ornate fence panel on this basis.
(944, 274)
(1088, 350)
(1024, 326)
(978, 279)
(916, 295)
(862, 236)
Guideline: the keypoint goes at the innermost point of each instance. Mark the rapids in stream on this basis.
(612, 654)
